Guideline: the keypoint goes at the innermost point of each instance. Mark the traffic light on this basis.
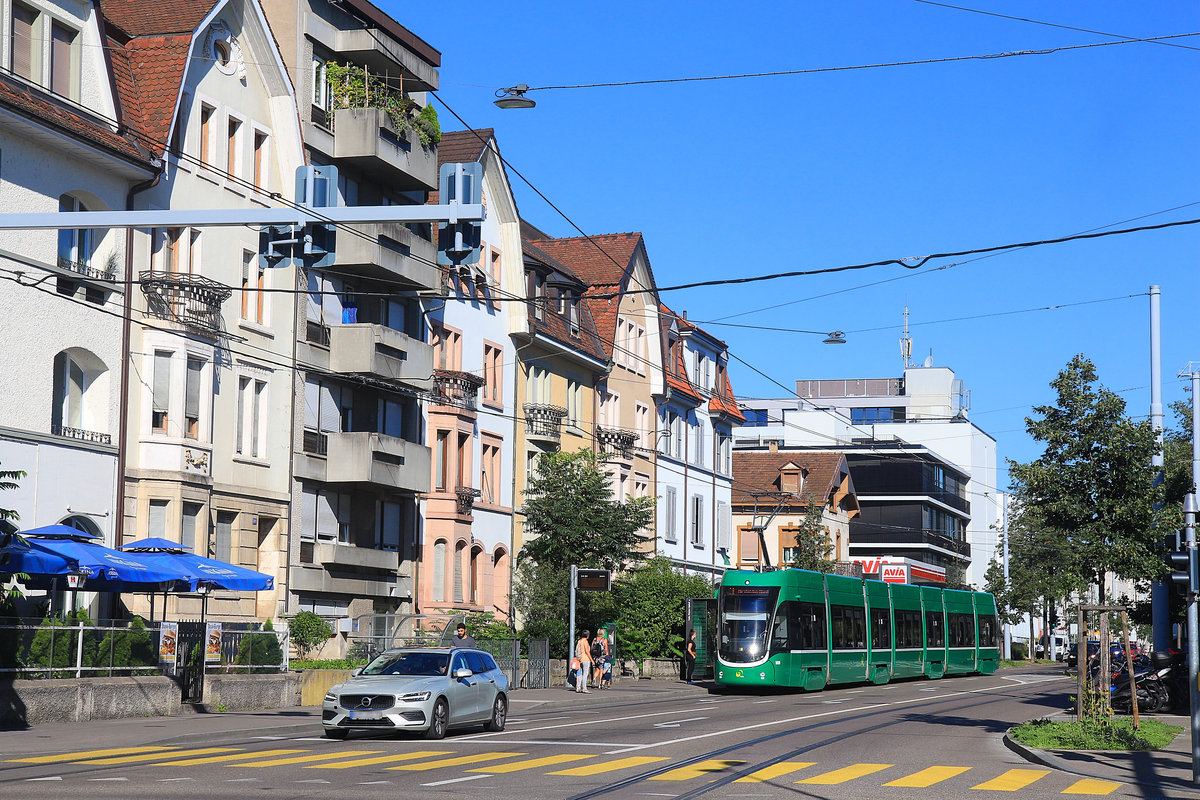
(1186, 569)
(458, 242)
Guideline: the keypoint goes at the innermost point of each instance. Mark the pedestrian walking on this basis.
(583, 652)
(599, 657)
(689, 657)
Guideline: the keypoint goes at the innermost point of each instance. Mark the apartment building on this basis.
(66, 144)
(364, 362)
(696, 415)
(210, 359)
(466, 544)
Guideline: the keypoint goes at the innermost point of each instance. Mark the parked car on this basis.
(1060, 647)
(427, 690)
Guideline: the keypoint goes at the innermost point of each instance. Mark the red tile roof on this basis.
(157, 64)
(158, 18)
(557, 327)
(463, 147)
(724, 403)
(759, 471)
(676, 368)
(48, 110)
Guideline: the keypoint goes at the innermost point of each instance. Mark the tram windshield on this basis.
(746, 614)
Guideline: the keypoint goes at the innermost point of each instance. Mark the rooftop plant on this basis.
(352, 86)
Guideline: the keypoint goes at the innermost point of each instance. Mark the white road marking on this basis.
(374, 783)
(272, 738)
(55, 778)
(458, 780)
(760, 702)
(565, 744)
(241, 780)
(312, 780)
(173, 780)
(855, 691)
(831, 712)
(677, 723)
(834, 702)
(108, 779)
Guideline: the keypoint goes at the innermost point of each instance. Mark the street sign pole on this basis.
(571, 625)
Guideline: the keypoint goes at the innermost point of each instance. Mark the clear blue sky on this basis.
(755, 176)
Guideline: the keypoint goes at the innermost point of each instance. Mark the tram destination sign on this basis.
(593, 580)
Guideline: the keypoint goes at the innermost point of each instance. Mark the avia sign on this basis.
(902, 570)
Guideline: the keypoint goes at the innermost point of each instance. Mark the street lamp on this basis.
(514, 97)
(836, 337)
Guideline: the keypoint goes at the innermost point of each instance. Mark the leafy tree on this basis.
(1092, 491)
(813, 550)
(133, 647)
(648, 606)
(8, 481)
(572, 518)
(540, 596)
(308, 632)
(486, 626)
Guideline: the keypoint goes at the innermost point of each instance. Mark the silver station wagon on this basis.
(428, 689)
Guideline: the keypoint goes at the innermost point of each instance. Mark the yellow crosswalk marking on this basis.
(189, 762)
(454, 762)
(1091, 786)
(366, 762)
(610, 766)
(203, 751)
(115, 751)
(1013, 780)
(697, 770)
(532, 763)
(844, 774)
(774, 771)
(927, 777)
(280, 762)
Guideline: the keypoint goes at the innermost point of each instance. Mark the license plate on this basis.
(366, 715)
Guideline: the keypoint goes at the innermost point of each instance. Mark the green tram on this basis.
(810, 630)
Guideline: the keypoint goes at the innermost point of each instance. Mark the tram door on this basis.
(701, 616)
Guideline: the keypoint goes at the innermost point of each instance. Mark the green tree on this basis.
(813, 550)
(1093, 490)
(647, 604)
(308, 632)
(8, 482)
(572, 518)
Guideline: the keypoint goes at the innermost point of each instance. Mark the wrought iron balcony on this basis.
(544, 422)
(466, 498)
(456, 388)
(616, 440)
(190, 300)
(86, 270)
(79, 433)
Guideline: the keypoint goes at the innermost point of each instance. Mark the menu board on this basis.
(168, 645)
(212, 643)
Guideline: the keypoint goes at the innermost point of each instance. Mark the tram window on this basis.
(881, 629)
(988, 630)
(779, 635)
(809, 626)
(849, 627)
(935, 634)
(962, 630)
(908, 628)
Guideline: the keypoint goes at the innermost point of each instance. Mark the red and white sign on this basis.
(902, 570)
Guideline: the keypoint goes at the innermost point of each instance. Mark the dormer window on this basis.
(791, 479)
(535, 287)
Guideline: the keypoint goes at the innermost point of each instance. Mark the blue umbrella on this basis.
(20, 556)
(198, 569)
(106, 570)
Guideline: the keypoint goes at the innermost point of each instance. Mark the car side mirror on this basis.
(354, 673)
(462, 672)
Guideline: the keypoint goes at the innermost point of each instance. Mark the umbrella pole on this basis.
(152, 607)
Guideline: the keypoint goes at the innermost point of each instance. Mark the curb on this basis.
(1045, 759)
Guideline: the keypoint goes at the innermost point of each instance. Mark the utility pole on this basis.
(1004, 530)
(1160, 591)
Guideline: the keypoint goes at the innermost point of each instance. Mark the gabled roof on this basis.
(158, 18)
(156, 67)
(759, 471)
(724, 403)
(555, 326)
(676, 368)
(603, 259)
(463, 146)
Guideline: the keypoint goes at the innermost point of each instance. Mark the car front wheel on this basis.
(499, 715)
(439, 720)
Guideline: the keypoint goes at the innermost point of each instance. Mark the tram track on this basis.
(973, 701)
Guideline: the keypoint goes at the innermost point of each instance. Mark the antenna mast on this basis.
(906, 343)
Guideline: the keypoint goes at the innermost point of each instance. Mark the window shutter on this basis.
(330, 417)
(22, 47)
(162, 381)
(308, 514)
(192, 401)
(158, 518)
(60, 59)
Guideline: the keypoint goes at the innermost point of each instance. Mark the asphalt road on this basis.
(920, 739)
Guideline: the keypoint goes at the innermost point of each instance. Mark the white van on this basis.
(1061, 645)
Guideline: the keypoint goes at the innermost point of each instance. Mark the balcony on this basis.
(909, 538)
(84, 270)
(370, 349)
(544, 423)
(616, 441)
(466, 499)
(189, 300)
(456, 388)
(378, 459)
(347, 555)
(80, 434)
(390, 251)
(367, 139)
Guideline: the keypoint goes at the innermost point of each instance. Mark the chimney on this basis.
(773, 445)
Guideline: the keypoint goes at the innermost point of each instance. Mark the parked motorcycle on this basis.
(1154, 677)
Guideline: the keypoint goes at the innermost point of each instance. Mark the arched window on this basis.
(476, 588)
(75, 246)
(81, 523)
(500, 580)
(459, 552)
(439, 571)
(80, 382)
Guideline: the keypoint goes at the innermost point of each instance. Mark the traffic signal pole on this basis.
(1189, 528)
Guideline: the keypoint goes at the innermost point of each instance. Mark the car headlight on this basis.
(330, 697)
(413, 697)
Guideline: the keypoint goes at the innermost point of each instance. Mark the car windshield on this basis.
(408, 664)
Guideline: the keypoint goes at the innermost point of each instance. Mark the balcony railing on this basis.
(87, 271)
(189, 300)
(456, 388)
(544, 422)
(616, 440)
(79, 433)
(466, 499)
(315, 442)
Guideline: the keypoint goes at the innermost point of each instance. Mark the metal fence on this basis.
(507, 653)
(76, 651)
(537, 666)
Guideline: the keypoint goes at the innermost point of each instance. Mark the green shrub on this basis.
(329, 663)
(308, 633)
(1020, 651)
(260, 651)
(132, 647)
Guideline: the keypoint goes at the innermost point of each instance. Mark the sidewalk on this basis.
(304, 720)
(1161, 769)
